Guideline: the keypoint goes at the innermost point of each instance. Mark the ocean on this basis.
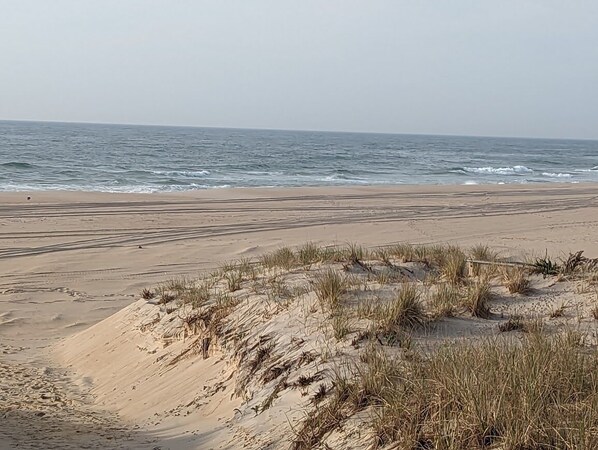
(131, 158)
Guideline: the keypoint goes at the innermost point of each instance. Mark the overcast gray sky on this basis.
(472, 67)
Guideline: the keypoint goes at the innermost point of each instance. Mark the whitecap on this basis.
(556, 175)
(182, 173)
(515, 170)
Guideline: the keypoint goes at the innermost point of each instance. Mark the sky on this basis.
(465, 67)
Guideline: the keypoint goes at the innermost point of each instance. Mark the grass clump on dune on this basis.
(404, 310)
(453, 267)
(283, 258)
(482, 252)
(477, 297)
(538, 395)
(329, 286)
(541, 393)
(445, 300)
(516, 281)
(309, 254)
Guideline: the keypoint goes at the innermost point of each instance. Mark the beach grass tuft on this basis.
(476, 298)
(516, 281)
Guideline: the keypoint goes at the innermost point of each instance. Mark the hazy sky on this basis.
(478, 67)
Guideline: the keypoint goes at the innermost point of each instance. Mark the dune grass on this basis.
(445, 300)
(405, 309)
(541, 394)
(477, 297)
(516, 281)
(329, 286)
(520, 391)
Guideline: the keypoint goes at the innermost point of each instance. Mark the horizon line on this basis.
(297, 130)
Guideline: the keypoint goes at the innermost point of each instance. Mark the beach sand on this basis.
(69, 260)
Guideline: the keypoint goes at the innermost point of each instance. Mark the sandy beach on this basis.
(69, 260)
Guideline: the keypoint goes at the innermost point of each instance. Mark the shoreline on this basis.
(219, 192)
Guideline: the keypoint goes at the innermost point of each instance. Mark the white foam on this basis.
(125, 189)
(515, 170)
(556, 175)
(182, 173)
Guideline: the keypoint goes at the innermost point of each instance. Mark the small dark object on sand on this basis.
(28, 198)
(140, 246)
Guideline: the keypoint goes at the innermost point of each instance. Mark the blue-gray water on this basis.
(123, 158)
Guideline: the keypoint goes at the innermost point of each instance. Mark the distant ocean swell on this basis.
(110, 158)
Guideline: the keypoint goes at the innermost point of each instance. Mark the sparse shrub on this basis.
(246, 268)
(477, 297)
(228, 266)
(262, 354)
(578, 262)
(328, 416)
(226, 302)
(279, 292)
(516, 281)
(306, 380)
(320, 394)
(388, 276)
(329, 287)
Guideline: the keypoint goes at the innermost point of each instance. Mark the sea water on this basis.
(128, 158)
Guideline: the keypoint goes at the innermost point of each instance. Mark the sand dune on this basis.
(69, 260)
